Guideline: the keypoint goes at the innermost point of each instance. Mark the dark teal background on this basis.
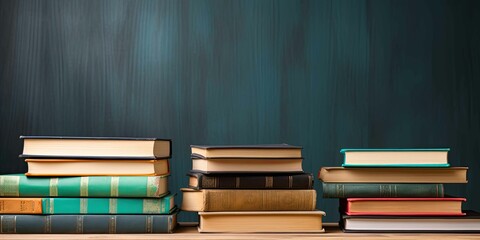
(322, 74)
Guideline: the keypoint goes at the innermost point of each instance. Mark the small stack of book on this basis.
(89, 185)
(258, 188)
(397, 190)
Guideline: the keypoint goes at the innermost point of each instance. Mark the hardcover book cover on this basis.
(163, 205)
(402, 206)
(88, 224)
(382, 190)
(262, 221)
(19, 185)
(246, 151)
(199, 180)
(96, 147)
(219, 200)
(395, 157)
(468, 223)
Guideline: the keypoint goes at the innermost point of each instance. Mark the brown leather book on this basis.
(20, 206)
(213, 200)
(199, 180)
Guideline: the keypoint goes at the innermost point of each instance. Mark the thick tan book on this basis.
(212, 200)
(247, 151)
(271, 221)
(393, 175)
(20, 206)
(83, 167)
(95, 147)
(402, 206)
(219, 165)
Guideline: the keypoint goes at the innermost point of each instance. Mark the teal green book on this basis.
(18, 185)
(164, 205)
(382, 190)
(397, 157)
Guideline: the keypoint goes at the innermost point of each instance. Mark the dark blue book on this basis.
(92, 224)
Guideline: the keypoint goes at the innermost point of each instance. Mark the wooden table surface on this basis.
(187, 231)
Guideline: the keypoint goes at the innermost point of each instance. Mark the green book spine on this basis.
(18, 185)
(374, 190)
(90, 224)
(108, 205)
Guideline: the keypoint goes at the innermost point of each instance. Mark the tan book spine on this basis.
(20, 205)
(259, 200)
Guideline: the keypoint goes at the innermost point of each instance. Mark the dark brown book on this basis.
(199, 180)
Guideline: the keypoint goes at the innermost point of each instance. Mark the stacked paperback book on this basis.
(398, 190)
(89, 185)
(258, 188)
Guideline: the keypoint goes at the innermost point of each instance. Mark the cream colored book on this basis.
(95, 147)
(396, 157)
(247, 165)
(84, 167)
(213, 200)
(268, 222)
(247, 151)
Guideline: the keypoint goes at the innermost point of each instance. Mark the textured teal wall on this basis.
(322, 74)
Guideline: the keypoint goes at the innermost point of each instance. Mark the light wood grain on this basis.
(189, 231)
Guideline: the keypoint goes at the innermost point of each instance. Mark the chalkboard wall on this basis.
(321, 74)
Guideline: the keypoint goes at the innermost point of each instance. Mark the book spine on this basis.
(302, 181)
(259, 200)
(351, 190)
(21, 205)
(107, 205)
(92, 224)
(22, 186)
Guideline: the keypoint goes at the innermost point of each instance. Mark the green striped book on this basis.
(163, 205)
(396, 157)
(88, 224)
(18, 185)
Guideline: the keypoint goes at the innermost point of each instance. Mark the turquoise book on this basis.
(164, 205)
(19, 185)
(396, 157)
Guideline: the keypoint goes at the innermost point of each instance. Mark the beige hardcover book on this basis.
(20, 206)
(247, 151)
(212, 200)
(96, 147)
(271, 221)
(247, 165)
(394, 175)
(396, 157)
(83, 167)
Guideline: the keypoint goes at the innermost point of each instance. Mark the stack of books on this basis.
(89, 185)
(258, 188)
(398, 190)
